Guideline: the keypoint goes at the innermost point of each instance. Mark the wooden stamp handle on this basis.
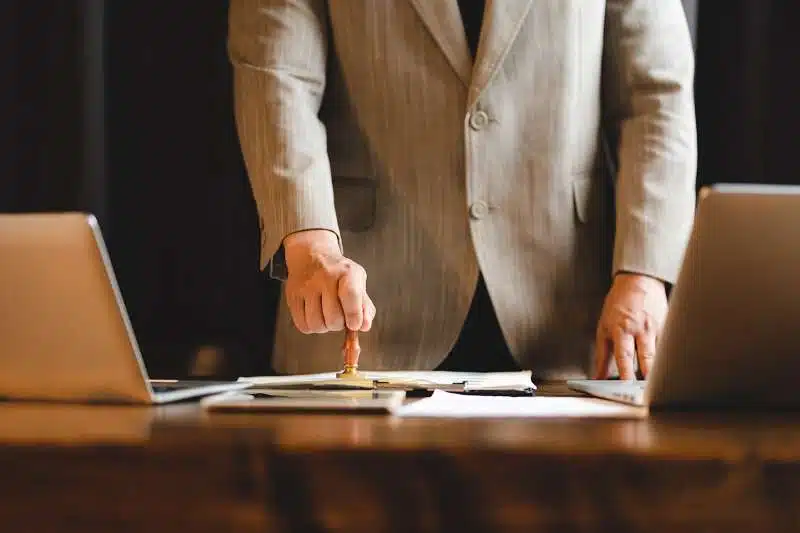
(351, 349)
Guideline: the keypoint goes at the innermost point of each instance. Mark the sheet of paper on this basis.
(474, 380)
(443, 404)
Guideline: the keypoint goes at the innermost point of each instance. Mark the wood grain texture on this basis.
(87, 469)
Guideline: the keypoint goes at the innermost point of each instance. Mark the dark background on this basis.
(124, 109)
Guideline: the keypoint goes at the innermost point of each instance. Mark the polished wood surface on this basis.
(80, 468)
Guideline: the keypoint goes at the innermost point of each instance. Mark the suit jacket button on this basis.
(478, 120)
(478, 210)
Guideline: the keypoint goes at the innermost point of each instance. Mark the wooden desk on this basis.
(121, 469)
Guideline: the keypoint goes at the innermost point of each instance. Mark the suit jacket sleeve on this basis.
(278, 49)
(649, 106)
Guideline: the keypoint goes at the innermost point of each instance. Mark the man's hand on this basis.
(325, 291)
(630, 323)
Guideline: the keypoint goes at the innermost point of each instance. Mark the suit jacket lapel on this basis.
(443, 21)
(501, 24)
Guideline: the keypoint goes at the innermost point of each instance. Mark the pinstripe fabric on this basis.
(433, 166)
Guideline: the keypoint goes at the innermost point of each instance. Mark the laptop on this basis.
(732, 333)
(65, 334)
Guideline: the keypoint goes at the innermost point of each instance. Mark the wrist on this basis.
(300, 246)
(311, 238)
(640, 280)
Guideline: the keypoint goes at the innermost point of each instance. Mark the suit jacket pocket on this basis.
(355, 200)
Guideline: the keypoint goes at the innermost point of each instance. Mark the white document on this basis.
(423, 379)
(442, 404)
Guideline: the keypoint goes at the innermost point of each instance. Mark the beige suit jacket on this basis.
(369, 118)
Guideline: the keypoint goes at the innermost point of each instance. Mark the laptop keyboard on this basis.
(165, 388)
(159, 387)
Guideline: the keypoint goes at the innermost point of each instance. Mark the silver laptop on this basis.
(732, 333)
(65, 334)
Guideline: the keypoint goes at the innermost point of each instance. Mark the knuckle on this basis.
(649, 321)
(345, 286)
(345, 270)
(347, 293)
(323, 280)
(351, 268)
(306, 287)
(628, 323)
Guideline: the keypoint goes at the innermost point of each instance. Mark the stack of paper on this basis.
(500, 382)
(442, 404)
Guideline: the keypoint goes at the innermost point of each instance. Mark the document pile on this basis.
(478, 383)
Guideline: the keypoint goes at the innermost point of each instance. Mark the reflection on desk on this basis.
(130, 469)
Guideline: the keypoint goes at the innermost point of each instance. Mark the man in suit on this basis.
(517, 177)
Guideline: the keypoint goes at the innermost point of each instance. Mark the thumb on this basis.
(369, 313)
(351, 290)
